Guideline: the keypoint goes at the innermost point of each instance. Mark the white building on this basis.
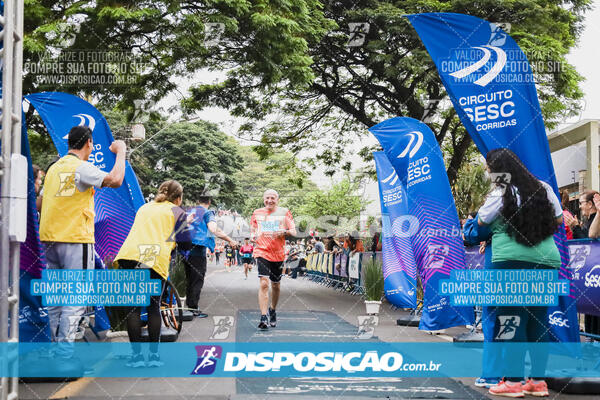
(576, 156)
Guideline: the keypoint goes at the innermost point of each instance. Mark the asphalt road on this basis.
(306, 312)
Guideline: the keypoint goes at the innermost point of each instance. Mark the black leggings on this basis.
(134, 320)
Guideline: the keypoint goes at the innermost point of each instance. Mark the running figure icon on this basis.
(207, 359)
(509, 325)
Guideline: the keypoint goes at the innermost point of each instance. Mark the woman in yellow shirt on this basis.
(159, 227)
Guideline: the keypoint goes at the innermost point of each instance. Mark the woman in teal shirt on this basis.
(523, 214)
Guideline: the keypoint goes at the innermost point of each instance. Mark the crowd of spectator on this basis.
(297, 251)
(589, 225)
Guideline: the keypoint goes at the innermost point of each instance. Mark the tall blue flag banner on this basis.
(399, 267)
(490, 83)
(115, 208)
(434, 231)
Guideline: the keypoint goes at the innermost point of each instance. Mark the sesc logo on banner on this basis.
(391, 178)
(592, 277)
(557, 318)
(413, 149)
(84, 120)
(480, 65)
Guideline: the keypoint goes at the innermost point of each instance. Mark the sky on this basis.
(585, 57)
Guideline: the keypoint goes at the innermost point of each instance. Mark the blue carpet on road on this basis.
(322, 326)
(296, 326)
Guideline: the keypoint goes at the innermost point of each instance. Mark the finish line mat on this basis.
(297, 326)
(323, 326)
(393, 388)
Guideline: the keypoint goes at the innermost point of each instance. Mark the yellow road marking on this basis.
(72, 388)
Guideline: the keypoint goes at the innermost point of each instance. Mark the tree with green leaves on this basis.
(43, 152)
(336, 209)
(289, 59)
(280, 172)
(470, 188)
(156, 41)
(391, 74)
(197, 154)
(471, 184)
(201, 157)
(147, 46)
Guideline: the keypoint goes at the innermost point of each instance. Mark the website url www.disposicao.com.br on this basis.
(324, 362)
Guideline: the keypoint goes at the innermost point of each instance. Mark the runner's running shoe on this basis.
(199, 314)
(154, 360)
(507, 389)
(263, 324)
(136, 361)
(538, 389)
(486, 382)
(272, 317)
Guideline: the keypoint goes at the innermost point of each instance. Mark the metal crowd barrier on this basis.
(339, 271)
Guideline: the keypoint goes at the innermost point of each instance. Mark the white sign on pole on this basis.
(353, 266)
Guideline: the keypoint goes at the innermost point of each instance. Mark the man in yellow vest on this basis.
(67, 220)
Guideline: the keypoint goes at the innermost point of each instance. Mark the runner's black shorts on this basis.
(246, 260)
(272, 269)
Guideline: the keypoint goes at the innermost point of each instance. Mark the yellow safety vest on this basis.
(67, 214)
(151, 238)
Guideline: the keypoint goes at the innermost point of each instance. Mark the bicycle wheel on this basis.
(171, 308)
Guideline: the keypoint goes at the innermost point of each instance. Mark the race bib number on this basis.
(269, 226)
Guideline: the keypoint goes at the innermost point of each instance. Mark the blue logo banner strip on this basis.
(295, 360)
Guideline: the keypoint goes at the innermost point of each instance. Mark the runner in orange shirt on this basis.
(269, 226)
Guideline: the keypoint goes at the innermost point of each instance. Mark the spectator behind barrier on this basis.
(318, 245)
(353, 244)
(332, 246)
(376, 242)
(589, 202)
(564, 202)
(38, 179)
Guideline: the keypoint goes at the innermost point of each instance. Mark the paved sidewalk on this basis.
(327, 315)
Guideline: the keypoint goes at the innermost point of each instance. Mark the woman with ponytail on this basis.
(523, 214)
(157, 229)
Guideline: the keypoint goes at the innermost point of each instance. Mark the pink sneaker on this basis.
(507, 389)
(538, 389)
